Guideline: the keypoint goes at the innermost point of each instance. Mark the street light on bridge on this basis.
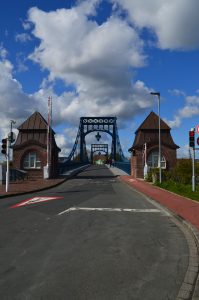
(159, 136)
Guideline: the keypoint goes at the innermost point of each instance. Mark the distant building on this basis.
(147, 136)
(30, 148)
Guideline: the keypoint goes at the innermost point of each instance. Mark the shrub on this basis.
(182, 173)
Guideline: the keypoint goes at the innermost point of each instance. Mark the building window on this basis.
(31, 161)
(152, 160)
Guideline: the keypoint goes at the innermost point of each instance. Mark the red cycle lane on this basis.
(184, 207)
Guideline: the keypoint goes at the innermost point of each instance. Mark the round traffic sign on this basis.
(197, 129)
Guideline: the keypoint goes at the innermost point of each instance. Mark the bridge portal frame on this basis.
(92, 124)
(99, 148)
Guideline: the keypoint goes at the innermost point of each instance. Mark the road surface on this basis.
(91, 238)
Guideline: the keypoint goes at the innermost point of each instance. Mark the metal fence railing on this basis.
(124, 166)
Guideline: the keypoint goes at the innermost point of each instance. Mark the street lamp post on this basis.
(159, 136)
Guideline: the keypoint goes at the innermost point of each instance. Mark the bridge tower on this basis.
(92, 124)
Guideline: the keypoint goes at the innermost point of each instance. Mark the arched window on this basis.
(152, 160)
(31, 161)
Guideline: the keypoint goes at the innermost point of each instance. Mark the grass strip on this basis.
(180, 189)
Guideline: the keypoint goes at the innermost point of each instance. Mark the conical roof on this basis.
(34, 130)
(34, 122)
(148, 132)
(152, 122)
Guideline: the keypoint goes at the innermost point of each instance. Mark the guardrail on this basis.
(64, 168)
(16, 174)
(124, 166)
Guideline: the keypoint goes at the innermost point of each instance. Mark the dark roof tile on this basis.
(152, 122)
(34, 122)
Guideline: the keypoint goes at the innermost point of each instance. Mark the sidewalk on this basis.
(185, 208)
(22, 187)
(28, 186)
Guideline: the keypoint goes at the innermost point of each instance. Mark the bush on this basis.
(182, 173)
(152, 172)
(153, 175)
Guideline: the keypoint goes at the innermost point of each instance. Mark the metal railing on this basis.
(124, 166)
(16, 174)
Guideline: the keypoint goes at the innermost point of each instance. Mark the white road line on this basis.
(136, 210)
(67, 210)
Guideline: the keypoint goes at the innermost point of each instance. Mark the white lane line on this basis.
(136, 210)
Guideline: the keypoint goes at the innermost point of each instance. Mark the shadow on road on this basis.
(95, 177)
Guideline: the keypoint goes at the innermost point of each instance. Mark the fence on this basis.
(124, 166)
(15, 174)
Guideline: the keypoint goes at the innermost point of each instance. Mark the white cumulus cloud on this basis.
(174, 22)
(95, 58)
(189, 110)
(22, 37)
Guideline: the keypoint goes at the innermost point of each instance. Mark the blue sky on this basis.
(100, 58)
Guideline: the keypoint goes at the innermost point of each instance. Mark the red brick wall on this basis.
(137, 165)
(137, 161)
(19, 154)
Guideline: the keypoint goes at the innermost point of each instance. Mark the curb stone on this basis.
(189, 286)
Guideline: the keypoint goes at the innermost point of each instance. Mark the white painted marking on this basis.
(67, 210)
(132, 180)
(136, 210)
(35, 200)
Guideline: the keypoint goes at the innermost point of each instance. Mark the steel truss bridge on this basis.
(99, 148)
(87, 125)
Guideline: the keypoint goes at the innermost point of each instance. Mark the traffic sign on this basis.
(197, 129)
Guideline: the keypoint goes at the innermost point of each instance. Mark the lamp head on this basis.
(155, 93)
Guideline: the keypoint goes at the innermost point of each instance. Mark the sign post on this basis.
(8, 161)
(192, 145)
(193, 172)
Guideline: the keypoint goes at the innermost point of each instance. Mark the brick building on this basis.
(30, 148)
(147, 137)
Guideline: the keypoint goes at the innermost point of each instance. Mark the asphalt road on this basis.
(100, 240)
